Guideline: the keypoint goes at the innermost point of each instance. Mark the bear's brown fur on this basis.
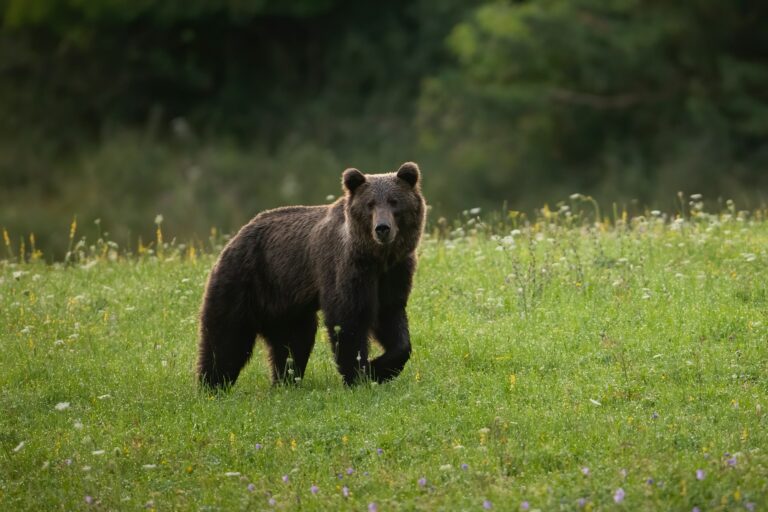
(353, 259)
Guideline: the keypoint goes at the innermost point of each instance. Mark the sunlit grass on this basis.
(559, 364)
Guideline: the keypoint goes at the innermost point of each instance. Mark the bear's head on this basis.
(385, 209)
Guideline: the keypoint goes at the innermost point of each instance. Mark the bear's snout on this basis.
(382, 232)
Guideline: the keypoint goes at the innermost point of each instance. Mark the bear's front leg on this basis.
(350, 346)
(349, 316)
(392, 334)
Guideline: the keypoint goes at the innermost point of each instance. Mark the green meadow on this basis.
(559, 364)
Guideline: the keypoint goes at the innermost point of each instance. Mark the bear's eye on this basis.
(371, 204)
(392, 202)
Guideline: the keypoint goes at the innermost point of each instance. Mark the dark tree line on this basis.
(209, 110)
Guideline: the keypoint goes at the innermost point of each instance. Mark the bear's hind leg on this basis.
(223, 352)
(290, 346)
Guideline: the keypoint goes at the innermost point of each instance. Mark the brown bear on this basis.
(353, 259)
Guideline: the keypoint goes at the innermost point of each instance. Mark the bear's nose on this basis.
(382, 230)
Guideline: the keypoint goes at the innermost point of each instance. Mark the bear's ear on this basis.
(409, 172)
(351, 179)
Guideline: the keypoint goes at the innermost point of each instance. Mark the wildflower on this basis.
(379, 451)
(700, 474)
(422, 482)
(258, 446)
(78, 424)
(695, 509)
(88, 499)
(649, 481)
(350, 471)
(731, 462)
(749, 506)
(372, 507)
(61, 406)
(285, 479)
(525, 505)
(585, 471)
(655, 415)
(487, 505)
(314, 489)
(465, 466)
(251, 487)
(581, 502)
(618, 496)
(272, 502)
(345, 491)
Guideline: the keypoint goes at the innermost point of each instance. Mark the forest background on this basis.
(208, 111)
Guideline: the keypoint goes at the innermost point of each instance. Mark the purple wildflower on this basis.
(695, 509)
(251, 487)
(750, 506)
(581, 502)
(286, 479)
(731, 462)
(345, 491)
(350, 471)
(618, 496)
(88, 499)
(422, 482)
(585, 471)
(379, 451)
(258, 446)
(465, 466)
(700, 474)
(655, 415)
(372, 507)
(487, 505)
(649, 481)
(272, 502)
(314, 489)
(525, 505)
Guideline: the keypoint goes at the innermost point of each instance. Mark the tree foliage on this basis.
(632, 97)
(517, 101)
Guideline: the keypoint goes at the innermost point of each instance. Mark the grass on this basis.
(556, 366)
